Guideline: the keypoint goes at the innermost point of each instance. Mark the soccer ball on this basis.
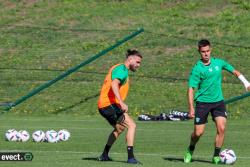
(23, 136)
(63, 135)
(38, 136)
(227, 156)
(51, 136)
(18, 136)
(11, 135)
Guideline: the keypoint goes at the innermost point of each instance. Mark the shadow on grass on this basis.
(181, 160)
(95, 159)
(76, 104)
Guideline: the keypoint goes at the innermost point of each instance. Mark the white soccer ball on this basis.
(63, 135)
(11, 135)
(23, 136)
(51, 136)
(18, 136)
(227, 156)
(38, 136)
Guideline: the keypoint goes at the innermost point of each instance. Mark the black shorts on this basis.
(217, 109)
(113, 114)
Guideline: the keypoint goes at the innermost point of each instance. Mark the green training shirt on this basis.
(120, 72)
(207, 79)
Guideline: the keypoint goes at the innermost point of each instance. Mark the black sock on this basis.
(130, 152)
(217, 151)
(106, 150)
(191, 148)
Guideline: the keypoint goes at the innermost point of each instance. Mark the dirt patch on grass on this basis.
(13, 5)
(210, 10)
(8, 4)
(29, 3)
(177, 49)
(172, 4)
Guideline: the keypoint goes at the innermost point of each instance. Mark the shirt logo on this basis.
(210, 69)
(216, 68)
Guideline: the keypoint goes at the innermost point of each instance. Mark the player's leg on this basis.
(197, 133)
(201, 113)
(219, 139)
(131, 126)
(220, 134)
(118, 129)
(114, 116)
(220, 119)
(195, 136)
(130, 136)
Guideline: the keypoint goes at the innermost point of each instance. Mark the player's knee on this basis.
(198, 133)
(221, 129)
(115, 133)
(119, 129)
(119, 132)
(132, 125)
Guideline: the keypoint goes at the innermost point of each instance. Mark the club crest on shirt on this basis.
(216, 68)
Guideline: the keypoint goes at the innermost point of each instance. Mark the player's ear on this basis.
(130, 58)
(198, 50)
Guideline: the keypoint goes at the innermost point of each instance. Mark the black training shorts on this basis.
(113, 114)
(202, 110)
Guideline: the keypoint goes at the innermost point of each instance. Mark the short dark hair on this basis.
(133, 52)
(203, 43)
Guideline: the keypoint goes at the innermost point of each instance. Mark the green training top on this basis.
(120, 72)
(207, 79)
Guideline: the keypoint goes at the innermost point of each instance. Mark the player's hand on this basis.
(248, 88)
(124, 107)
(191, 113)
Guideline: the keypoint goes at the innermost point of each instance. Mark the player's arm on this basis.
(115, 87)
(191, 101)
(193, 82)
(242, 79)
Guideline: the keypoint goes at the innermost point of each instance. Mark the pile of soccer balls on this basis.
(50, 136)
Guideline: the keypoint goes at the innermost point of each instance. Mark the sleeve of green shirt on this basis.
(227, 66)
(119, 73)
(194, 78)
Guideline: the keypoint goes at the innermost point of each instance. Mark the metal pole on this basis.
(236, 98)
(73, 69)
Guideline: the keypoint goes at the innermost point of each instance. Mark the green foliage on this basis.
(41, 39)
(242, 4)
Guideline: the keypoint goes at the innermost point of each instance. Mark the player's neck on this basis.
(126, 63)
(206, 62)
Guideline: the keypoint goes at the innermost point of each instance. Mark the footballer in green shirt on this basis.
(204, 88)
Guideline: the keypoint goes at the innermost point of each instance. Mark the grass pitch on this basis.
(41, 39)
(157, 143)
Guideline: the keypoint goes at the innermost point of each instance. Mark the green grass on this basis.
(157, 143)
(41, 39)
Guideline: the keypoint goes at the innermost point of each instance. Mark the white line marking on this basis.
(56, 119)
(6, 127)
(114, 153)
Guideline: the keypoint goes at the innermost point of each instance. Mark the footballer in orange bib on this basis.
(112, 107)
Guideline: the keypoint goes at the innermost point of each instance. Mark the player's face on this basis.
(205, 53)
(134, 62)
